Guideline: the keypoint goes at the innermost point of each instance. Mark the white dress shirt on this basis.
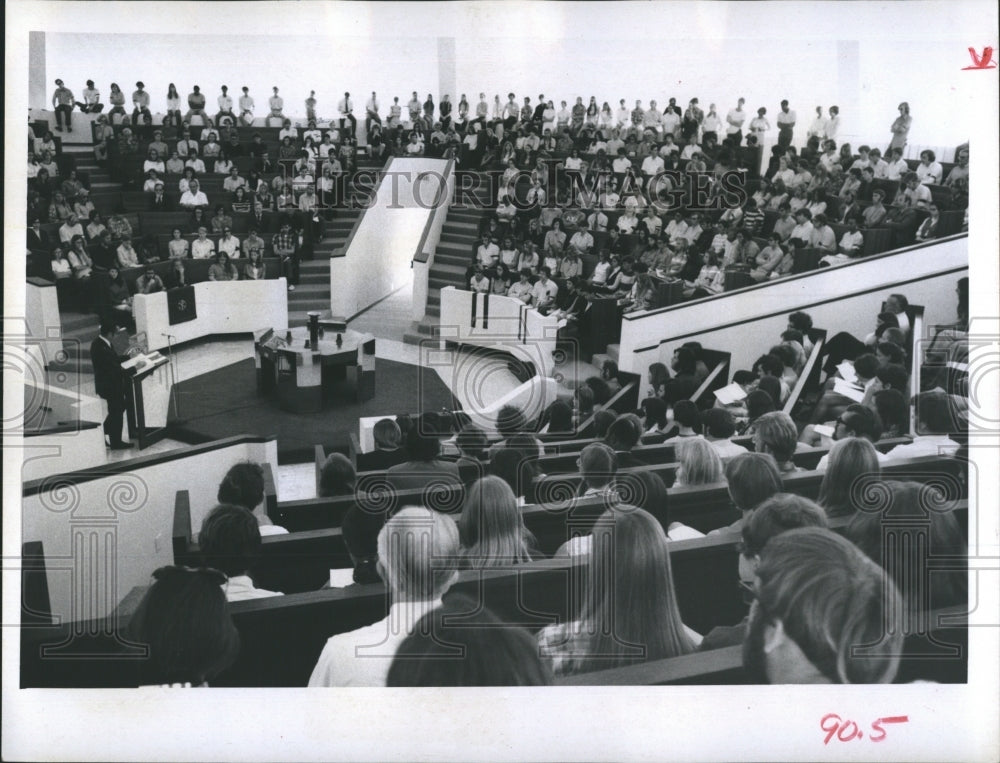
(362, 657)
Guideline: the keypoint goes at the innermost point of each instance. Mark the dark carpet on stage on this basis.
(225, 402)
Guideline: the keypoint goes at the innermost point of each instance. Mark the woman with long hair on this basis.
(629, 614)
(658, 377)
(117, 99)
(850, 459)
(173, 106)
(491, 528)
(241, 201)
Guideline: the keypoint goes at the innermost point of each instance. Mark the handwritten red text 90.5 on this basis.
(846, 730)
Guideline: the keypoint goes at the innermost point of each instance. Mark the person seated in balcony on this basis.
(480, 282)
(178, 248)
(196, 106)
(60, 210)
(80, 262)
(929, 227)
(851, 246)
(222, 269)
(116, 297)
(544, 291)
(929, 171)
(228, 243)
(126, 255)
(149, 282)
(220, 220)
(202, 248)
(152, 180)
(174, 165)
(711, 279)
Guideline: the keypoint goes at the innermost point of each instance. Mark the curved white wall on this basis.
(846, 298)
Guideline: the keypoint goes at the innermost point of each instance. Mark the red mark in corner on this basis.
(847, 730)
(984, 61)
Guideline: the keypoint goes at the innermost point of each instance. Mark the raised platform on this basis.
(225, 402)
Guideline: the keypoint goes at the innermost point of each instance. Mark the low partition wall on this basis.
(844, 298)
(499, 323)
(221, 307)
(105, 529)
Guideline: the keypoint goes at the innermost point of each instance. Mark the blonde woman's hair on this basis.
(700, 461)
(631, 609)
(491, 529)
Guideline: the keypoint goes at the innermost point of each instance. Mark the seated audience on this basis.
(774, 516)
(617, 627)
(853, 465)
(698, 463)
(752, 478)
(243, 486)
(230, 542)
(411, 546)
(622, 436)
(935, 424)
(423, 447)
(491, 529)
(775, 434)
(360, 529)
(462, 644)
(816, 599)
(184, 623)
(336, 476)
(687, 417)
(886, 545)
(719, 426)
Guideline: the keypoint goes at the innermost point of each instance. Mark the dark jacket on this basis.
(109, 382)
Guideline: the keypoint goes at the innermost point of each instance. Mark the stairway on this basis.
(451, 258)
(313, 291)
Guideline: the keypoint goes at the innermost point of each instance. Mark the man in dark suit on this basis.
(38, 239)
(159, 201)
(260, 219)
(109, 383)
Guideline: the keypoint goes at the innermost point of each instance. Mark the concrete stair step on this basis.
(456, 247)
(459, 227)
(434, 310)
(442, 270)
(305, 305)
(444, 258)
(309, 291)
(463, 239)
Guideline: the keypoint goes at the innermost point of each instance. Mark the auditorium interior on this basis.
(382, 312)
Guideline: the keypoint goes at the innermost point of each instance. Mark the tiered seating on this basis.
(281, 637)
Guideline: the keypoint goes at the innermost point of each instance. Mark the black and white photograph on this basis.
(501, 381)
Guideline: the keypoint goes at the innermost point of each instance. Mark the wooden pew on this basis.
(719, 666)
(804, 379)
(290, 563)
(281, 637)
